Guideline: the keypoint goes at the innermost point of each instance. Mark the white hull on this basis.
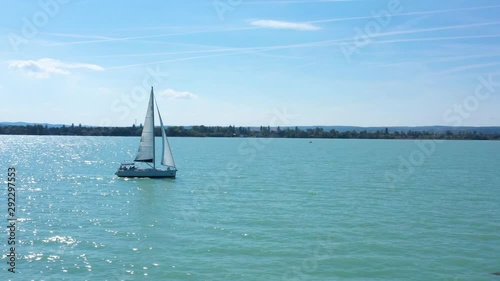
(146, 173)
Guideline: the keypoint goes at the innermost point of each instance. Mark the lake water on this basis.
(255, 209)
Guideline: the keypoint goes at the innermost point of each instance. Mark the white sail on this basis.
(167, 158)
(146, 152)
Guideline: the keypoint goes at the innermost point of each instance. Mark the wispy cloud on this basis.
(112, 39)
(422, 30)
(436, 39)
(431, 61)
(176, 95)
(468, 67)
(284, 25)
(257, 24)
(69, 35)
(325, 43)
(409, 14)
(176, 60)
(238, 51)
(44, 68)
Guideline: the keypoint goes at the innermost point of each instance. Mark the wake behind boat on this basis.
(146, 152)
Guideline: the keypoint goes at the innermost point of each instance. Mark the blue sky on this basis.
(245, 62)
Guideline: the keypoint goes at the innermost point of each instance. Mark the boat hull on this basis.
(146, 173)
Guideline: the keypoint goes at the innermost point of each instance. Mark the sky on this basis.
(251, 62)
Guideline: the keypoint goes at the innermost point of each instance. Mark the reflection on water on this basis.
(296, 210)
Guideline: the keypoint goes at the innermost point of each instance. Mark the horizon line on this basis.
(24, 123)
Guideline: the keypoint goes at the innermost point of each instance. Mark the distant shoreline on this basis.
(434, 132)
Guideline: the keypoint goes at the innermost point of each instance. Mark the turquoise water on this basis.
(255, 209)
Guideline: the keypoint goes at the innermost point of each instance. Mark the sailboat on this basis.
(146, 152)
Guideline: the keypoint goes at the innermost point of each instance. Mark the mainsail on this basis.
(167, 158)
(146, 152)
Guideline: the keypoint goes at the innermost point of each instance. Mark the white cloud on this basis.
(284, 25)
(175, 95)
(44, 68)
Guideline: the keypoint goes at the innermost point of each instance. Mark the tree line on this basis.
(233, 131)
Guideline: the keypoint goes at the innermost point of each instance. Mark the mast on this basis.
(153, 110)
